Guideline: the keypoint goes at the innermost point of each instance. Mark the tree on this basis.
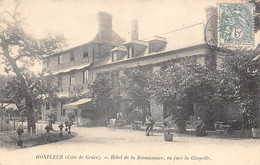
(40, 89)
(103, 93)
(134, 85)
(20, 50)
(239, 83)
(181, 84)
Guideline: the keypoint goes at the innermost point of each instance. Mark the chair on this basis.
(112, 123)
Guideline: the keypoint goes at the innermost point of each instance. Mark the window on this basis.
(85, 76)
(130, 52)
(59, 81)
(151, 48)
(59, 59)
(46, 63)
(72, 79)
(47, 106)
(85, 55)
(75, 112)
(63, 112)
(72, 56)
(112, 55)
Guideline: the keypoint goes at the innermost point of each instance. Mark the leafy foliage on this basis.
(134, 85)
(19, 47)
(239, 83)
(103, 93)
(177, 80)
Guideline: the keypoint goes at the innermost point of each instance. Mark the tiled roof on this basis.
(184, 37)
(115, 40)
(178, 39)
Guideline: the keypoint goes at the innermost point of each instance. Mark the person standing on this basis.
(149, 124)
(200, 128)
(119, 115)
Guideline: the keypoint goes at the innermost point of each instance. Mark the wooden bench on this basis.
(228, 126)
(120, 123)
(136, 125)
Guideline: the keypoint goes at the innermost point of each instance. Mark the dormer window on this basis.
(118, 53)
(131, 52)
(151, 48)
(112, 57)
(135, 48)
(156, 44)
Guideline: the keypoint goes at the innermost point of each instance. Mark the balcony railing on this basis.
(68, 89)
(69, 64)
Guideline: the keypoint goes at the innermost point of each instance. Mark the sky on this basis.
(77, 19)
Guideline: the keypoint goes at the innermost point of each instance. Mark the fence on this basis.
(11, 126)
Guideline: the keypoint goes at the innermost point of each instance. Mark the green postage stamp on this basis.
(236, 25)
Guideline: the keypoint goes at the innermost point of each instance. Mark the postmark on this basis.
(236, 25)
(211, 38)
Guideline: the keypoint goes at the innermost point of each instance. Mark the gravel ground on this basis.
(100, 142)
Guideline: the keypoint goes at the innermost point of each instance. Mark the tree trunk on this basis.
(30, 116)
(28, 99)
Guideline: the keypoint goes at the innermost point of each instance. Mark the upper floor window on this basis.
(60, 59)
(72, 56)
(85, 55)
(59, 81)
(85, 76)
(72, 79)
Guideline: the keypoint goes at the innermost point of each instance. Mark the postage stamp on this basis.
(236, 25)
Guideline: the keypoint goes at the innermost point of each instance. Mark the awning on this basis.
(71, 69)
(256, 58)
(74, 105)
(9, 106)
(62, 94)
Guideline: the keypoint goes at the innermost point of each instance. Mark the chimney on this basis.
(105, 26)
(211, 13)
(211, 25)
(134, 30)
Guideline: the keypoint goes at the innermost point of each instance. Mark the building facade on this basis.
(74, 69)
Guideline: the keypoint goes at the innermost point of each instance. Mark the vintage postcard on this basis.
(129, 82)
